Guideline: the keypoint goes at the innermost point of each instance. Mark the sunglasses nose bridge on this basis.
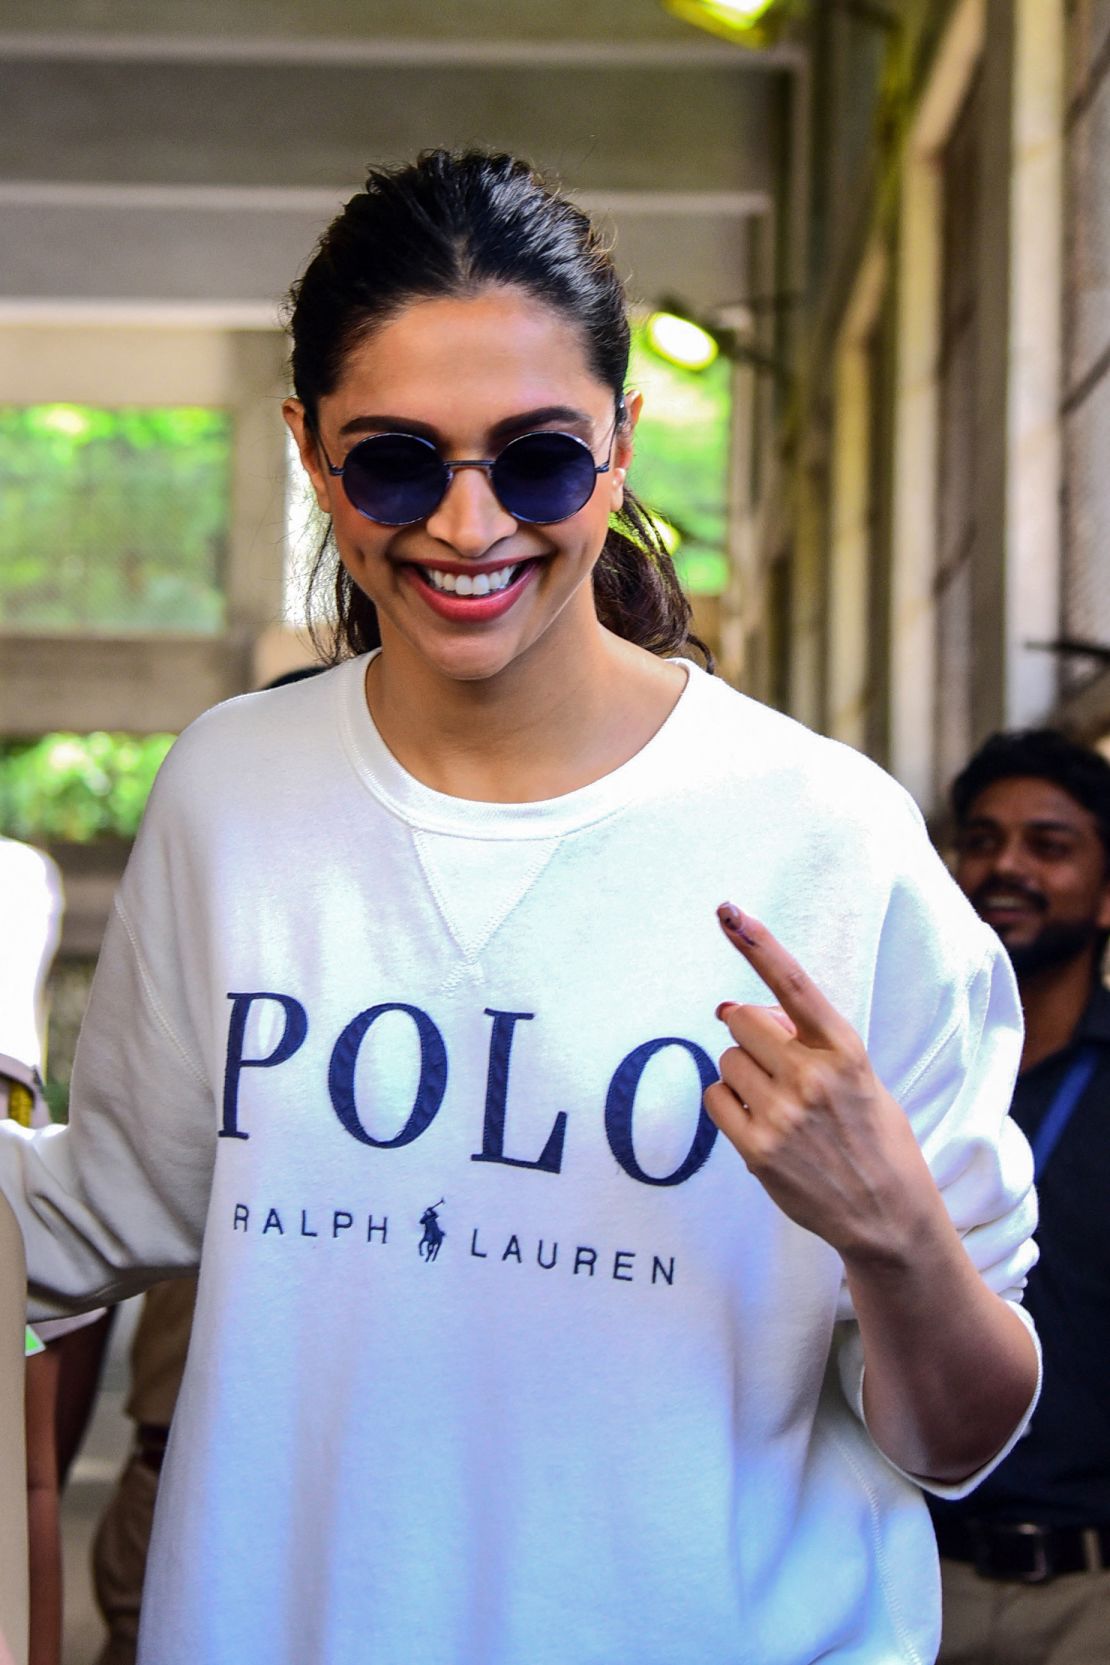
(473, 464)
(453, 468)
(470, 520)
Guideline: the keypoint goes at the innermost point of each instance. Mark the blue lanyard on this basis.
(1064, 1101)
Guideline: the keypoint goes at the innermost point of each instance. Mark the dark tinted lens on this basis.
(544, 477)
(394, 478)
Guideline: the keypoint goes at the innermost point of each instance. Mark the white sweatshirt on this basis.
(31, 916)
(501, 1356)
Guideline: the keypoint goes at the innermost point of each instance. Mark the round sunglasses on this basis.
(539, 478)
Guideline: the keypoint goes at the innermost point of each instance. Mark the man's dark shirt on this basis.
(1059, 1473)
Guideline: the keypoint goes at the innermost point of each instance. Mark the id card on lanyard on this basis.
(1064, 1101)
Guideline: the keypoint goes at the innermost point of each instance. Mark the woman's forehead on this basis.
(499, 344)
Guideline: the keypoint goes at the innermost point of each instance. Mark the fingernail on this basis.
(733, 921)
(725, 1007)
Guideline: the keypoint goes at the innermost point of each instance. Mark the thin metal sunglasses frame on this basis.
(487, 463)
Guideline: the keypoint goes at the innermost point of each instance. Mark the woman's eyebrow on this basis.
(521, 423)
(538, 419)
(387, 425)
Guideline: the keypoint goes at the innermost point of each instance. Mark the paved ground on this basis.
(89, 1488)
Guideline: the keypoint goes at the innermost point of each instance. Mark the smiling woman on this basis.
(369, 268)
(532, 1325)
(430, 509)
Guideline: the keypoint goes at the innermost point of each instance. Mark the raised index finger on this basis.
(814, 1016)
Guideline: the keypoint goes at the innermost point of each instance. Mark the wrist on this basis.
(911, 1236)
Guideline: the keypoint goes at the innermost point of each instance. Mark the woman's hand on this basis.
(949, 1366)
(800, 1101)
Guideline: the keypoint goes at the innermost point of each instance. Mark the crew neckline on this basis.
(432, 811)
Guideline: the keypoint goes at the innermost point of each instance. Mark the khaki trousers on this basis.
(991, 1622)
(119, 1559)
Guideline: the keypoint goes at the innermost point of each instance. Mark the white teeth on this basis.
(464, 583)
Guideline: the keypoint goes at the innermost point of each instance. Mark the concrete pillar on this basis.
(1032, 598)
(257, 543)
(912, 644)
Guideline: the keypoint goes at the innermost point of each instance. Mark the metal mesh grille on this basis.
(1085, 569)
(956, 532)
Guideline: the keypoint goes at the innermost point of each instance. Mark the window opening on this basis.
(114, 520)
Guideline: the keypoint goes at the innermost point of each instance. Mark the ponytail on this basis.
(637, 592)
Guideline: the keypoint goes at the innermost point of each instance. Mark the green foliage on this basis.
(77, 787)
(113, 519)
(681, 466)
(56, 1094)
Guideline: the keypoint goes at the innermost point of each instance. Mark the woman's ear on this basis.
(631, 406)
(296, 421)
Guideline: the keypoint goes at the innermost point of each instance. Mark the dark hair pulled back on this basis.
(449, 225)
(1038, 754)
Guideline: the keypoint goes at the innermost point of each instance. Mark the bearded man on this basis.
(1025, 1560)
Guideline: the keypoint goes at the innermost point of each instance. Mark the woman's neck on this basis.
(546, 725)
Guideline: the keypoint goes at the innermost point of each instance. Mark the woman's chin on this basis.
(470, 656)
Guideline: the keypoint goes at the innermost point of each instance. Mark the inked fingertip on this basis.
(732, 920)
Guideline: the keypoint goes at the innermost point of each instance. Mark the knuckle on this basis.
(731, 1065)
(784, 1128)
(763, 1148)
(716, 1099)
(854, 1054)
(812, 1086)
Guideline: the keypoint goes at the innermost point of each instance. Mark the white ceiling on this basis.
(188, 152)
(603, 21)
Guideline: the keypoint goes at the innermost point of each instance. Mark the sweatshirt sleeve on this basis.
(945, 1037)
(117, 1198)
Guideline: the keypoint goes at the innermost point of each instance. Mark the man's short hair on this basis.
(1040, 754)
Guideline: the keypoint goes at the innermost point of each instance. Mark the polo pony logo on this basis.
(432, 1240)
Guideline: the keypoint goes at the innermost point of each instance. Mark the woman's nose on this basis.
(468, 517)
